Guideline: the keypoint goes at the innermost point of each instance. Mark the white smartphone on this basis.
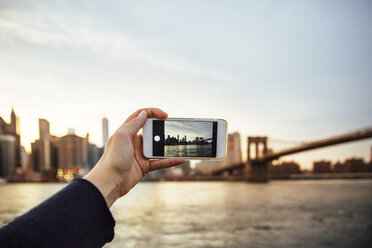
(188, 138)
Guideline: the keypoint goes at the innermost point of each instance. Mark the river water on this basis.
(308, 213)
(188, 150)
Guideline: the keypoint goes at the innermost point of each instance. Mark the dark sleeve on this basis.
(76, 216)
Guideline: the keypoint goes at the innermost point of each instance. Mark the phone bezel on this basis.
(221, 139)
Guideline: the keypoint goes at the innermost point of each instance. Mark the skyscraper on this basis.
(14, 126)
(8, 155)
(44, 132)
(105, 131)
(44, 150)
(234, 153)
(10, 146)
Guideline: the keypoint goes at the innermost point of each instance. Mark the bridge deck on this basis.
(362, 134)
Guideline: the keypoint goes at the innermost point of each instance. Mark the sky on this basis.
(191, 129)
(294, 71)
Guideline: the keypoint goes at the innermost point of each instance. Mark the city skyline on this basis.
(71, 154)
(104, 122)
(191, 129)
(50, 157)
(300, 73)
(172, 140)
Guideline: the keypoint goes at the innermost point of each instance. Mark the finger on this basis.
(151, 113)
(134, 125)
(165, 163)
(138, 141)
(138, 145)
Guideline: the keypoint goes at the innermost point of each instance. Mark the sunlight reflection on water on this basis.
(227, 214)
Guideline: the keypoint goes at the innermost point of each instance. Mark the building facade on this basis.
(72, 152)
(44, 150)
(285, 168)
(322, 167)
(10, 147)
(234, 152)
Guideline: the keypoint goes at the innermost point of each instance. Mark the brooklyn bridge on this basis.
(256, 169)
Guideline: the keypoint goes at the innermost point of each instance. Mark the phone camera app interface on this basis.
(173, 138)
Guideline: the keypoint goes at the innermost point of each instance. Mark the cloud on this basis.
(57, 30)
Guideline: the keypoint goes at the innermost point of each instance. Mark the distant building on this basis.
(8, 155)
(105, 131)
(72, 152)
(94, 153)
(339, 167)
(52, 157)
(44, 132)
(10, 147)
(355, 165)
(351, 165)
(44, 151)
(24, 158)
(285, 168)
(11, 128)
(50, 153)
(234, 152)
(322, 167)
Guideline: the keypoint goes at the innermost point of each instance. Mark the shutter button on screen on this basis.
(157, 138)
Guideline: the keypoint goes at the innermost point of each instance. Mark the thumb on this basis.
(137, 123)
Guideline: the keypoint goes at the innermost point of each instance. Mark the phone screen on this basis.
(183, 138)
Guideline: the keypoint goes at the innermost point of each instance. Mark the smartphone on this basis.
(188, 138)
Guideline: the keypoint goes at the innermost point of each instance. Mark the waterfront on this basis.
(204, 150)
(307, 213)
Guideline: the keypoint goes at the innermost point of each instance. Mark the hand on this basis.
(122, 164)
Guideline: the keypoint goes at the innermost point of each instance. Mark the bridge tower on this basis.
(257, 170)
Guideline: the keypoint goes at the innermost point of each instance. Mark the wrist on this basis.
(106, 181)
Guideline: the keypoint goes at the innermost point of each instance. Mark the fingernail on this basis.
(143, 112)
